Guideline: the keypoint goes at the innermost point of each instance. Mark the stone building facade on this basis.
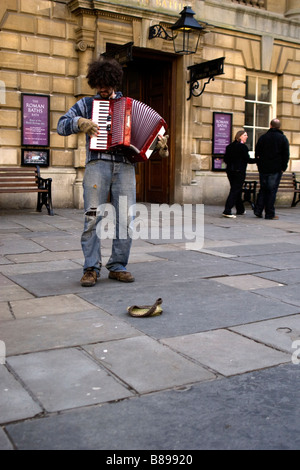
(45, 47)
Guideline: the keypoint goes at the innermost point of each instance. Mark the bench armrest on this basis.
(250, 184)
(43, 183)
(297, 183)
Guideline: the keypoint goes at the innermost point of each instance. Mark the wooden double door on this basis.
(150, 81)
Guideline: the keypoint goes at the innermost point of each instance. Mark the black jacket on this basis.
(273, 150)
(237, 157)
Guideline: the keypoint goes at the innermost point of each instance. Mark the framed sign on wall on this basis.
(222, 135)
(218, 163)
(35, 120)
(33, 156)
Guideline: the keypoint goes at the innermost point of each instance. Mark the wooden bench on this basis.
(288, 184)
(27, 180)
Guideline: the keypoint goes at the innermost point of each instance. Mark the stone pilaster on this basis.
(293, 9)
(85, 45)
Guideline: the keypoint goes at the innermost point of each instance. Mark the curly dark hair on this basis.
(105, 71)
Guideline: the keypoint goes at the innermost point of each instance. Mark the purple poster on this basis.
(35, 120)
(222, 129)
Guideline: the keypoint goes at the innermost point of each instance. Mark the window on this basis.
(260, 107)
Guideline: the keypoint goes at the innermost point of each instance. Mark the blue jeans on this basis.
(101, 179)
(269, 183)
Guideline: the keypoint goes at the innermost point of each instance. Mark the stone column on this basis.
(293, 9)
(86, 33)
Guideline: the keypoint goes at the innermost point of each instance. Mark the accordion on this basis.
(127, 125)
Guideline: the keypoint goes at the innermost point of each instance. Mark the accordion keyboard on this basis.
(102, 117)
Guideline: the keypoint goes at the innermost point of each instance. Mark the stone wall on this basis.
(38, 56)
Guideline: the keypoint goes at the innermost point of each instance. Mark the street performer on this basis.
(105, 173)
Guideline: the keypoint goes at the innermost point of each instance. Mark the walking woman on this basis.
(236, 158)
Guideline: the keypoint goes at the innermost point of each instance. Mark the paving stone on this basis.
(9, 290)
(15, 402)
(142, 258)
(234, 230)
(26, 268)
(259, 249)
(53, 305)
(46, 232)
(67, 224)
(246, 282)
(287, 294)
(188, 307)
(4, 260)
(51, 283)
(224, 287)
(66, 379)
(185, 266)
(35, 222)
(5, 444)
(280, 261)
(62, 243)
(5, 313)
(208, 244)
(14, 292)
(10, 236)
(284, 276)
(4, 281)
(217, 253)
(226, 353)
(11, 246)
(7, 223)
(57, 331)
(45, 256)
(193, 264)
(2, 352)
(273, 237)
(254, 411)
(279, 332)
(146, 365)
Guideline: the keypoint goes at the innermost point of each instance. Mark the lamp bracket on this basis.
(194, 86)
(158, 31)
(209, 70)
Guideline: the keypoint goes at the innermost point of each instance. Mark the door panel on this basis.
(157, 171)
(149, 81)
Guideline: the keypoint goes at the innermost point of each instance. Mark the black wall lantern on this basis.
(186, 32)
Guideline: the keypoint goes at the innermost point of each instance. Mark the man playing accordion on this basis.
(106, 173)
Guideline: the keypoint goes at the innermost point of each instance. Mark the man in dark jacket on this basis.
(273, 152)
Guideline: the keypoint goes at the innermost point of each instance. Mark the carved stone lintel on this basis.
(252, 3)
(78, 6)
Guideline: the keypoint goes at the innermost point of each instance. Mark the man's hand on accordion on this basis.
(162, 145)
(88, 126)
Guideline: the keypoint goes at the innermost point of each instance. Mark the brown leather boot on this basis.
(123, 276)
(89, 278)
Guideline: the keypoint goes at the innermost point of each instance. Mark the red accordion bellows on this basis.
(126, 124)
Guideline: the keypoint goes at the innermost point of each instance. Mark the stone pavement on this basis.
(219, 369)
